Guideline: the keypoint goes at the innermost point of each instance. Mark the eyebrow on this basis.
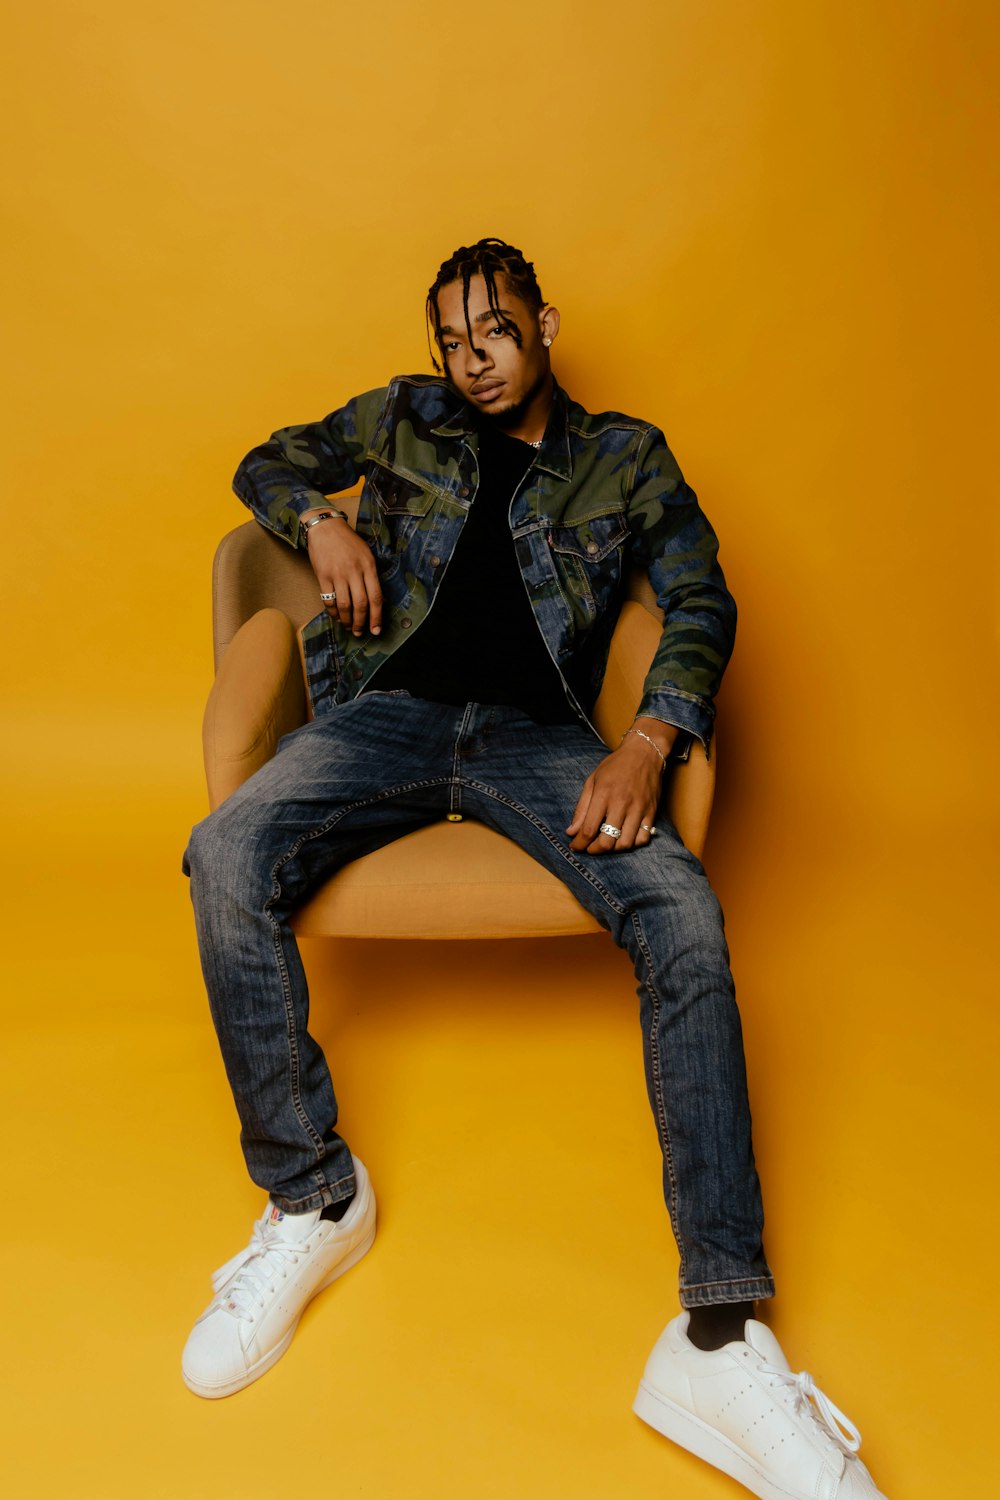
(483, 317)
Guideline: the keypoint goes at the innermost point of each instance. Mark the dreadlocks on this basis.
(488, 258)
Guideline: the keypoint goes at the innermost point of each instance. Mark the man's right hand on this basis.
(344, 566)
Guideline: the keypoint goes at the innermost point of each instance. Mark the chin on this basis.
(497, 410)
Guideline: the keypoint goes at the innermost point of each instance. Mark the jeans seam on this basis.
(536, 822)
(291, 1026)
(291, 1032)
(661, 1108)
(455, 798)
(621, 911)
(695, 1286)
(324, 1191)
(338, 817)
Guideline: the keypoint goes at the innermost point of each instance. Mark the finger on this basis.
(588, 826)
(631, 828)
(374, 599)
(646, 826)
(359, 600)
(602, 840)
(596, 814)
(344, 610)
(580, 811)
(329, 588)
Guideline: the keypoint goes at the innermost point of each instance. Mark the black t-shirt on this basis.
(479, 643)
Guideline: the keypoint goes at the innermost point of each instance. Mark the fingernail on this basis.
(376, 630)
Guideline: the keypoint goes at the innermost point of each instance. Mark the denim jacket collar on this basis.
(553, 456)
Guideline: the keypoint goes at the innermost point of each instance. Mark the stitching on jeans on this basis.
(339, 815)
(321, 1193)
(542, 828)
(733, 1281)
(661, 1109)
(292, 1037)
(455, 800)
(291, 1028)
(643, 947)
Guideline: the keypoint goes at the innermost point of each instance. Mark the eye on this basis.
(497, 329)
(450, 347)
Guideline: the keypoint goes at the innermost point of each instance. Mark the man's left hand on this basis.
(624, 792)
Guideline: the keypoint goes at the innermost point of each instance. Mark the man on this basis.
(462, 644)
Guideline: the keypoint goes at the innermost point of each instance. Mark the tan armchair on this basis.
(461, 880)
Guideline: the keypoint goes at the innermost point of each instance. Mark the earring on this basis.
(546, 342)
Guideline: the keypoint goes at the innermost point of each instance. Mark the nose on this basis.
(478, 359)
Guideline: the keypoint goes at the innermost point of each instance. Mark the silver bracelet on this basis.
(643, 736)
(330, 514)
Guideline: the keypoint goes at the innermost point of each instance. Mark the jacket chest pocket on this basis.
(589, 559)
(397, 506)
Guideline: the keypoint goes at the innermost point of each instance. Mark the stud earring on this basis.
(546, 342)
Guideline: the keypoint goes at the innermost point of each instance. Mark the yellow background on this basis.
(769, 228)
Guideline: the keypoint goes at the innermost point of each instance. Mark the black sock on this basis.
(336, 1211)
(711, 1327)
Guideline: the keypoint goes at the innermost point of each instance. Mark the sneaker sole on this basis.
(261, 1367)
(688, 1431)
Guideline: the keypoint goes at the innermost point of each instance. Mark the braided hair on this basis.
(488, 258)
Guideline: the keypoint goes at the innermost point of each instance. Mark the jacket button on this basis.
(406, 622)
(591, 548)
(464, 491)
(355, 672)
(435, 561)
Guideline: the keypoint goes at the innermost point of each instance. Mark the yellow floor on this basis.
(490, 1344)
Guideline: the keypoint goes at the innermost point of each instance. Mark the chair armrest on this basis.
(690, 787)
(258, 696)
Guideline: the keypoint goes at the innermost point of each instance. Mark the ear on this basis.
(548, 323)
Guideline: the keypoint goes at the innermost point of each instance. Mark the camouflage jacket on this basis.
(603, 490)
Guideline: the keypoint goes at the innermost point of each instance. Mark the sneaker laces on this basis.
(240, 1284)
(817, 1405)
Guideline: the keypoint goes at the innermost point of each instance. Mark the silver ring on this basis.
(650, 829)
(328, 598)
(611, 831)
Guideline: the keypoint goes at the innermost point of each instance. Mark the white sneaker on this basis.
(741, 1409)
(261, 1293)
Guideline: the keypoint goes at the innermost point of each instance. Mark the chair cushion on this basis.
(449, 880)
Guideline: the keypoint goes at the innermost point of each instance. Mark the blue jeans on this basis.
(376, 768)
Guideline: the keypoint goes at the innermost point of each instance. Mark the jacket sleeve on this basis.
(299, 466)
(673, 539)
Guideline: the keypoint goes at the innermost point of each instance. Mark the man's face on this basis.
(494, 375)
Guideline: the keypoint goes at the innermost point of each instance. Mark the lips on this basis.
(486, 390)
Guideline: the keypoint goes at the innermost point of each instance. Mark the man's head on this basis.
(493, 330)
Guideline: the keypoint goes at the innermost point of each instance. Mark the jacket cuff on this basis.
(289, 526)
(692, 715)
(282, 520)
